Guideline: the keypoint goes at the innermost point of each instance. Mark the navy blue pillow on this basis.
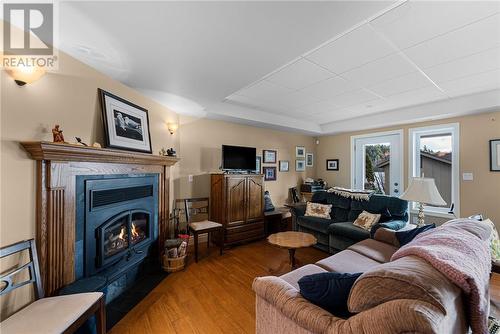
(329, 291)
(405, 237)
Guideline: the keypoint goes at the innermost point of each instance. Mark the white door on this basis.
(377, 163)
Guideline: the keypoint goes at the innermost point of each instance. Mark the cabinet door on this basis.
(255, 198)
(236, 199)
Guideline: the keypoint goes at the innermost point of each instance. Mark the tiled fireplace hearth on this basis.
(99, 211)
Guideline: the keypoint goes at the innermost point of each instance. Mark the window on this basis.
(434, 154)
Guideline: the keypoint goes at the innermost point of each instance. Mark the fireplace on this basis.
(116, 227)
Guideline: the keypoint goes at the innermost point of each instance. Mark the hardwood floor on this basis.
(214, 295)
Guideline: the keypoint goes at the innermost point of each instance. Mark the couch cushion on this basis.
(50, 315)
(293, 276)
(405, 278)
(347, 229)
(347, 261)
(329, 291)
(375, 250)
(314, 223)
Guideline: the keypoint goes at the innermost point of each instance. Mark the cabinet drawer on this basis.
(244, 235)
(244, 227)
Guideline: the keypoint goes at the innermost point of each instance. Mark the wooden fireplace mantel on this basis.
(43, 150)
(57, 166)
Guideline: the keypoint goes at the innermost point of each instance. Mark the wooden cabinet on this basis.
(237, 202)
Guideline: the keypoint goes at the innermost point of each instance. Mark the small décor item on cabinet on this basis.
(332, 164)
(269, 173)
(269, 156)
(284, 165)
(268, 203)
(318, 210)
(300, 152)
(495, 155)
(96, 145)
(309, 160)
(126, 125)
(257, 164)
(366, 220)
(163, 152)
(80, 142)
(57, 134)
(171, 152)
(300, 165)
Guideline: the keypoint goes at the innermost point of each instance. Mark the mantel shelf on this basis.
(42, 150)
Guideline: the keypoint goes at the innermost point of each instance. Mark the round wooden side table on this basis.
(292, 241)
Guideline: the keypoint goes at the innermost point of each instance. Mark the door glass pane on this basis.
(377, 167)
(436, 162)
(139, 228)
(116, 237)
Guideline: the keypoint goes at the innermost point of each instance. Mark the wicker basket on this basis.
(173, 264)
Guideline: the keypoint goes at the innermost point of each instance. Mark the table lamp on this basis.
(424, 191)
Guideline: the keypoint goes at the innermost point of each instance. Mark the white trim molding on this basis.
(414, 135)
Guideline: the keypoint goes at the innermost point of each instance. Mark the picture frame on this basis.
(332, 164)
(309, 159)
(300, 152)
(258, 164)
(284, 166)
(126, 125)
(269, 173)
(269, 156)
(300, 165)
(495, 155)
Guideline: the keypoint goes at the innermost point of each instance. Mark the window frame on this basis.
(414, 164)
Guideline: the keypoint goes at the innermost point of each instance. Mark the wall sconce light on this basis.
(172, 127)
(23, 75)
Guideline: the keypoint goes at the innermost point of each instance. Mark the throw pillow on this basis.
(386, 235)
(366, 220)
(318, 210)
(329, 291)
(405, 237)
(494, 241)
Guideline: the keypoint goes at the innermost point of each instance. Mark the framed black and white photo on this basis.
(495, 155)
(300, 165)
(332, 164)
(269, 173)
(300, 152)
(269, 156)
(284, 166)
(126, 125)
(257, 164)
(309, 159)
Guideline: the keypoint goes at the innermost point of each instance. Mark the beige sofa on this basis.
(403, 296)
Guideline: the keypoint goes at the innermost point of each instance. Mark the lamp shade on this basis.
(423, 190)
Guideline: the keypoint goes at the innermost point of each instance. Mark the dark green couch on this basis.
(338, 233)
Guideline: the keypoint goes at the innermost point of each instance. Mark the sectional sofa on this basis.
(338, 233)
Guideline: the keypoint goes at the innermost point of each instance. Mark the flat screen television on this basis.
(238, 158)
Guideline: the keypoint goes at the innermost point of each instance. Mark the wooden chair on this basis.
(197, 218)
(60, 314)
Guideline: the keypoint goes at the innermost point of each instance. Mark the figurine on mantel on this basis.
(169, 153)
(57, 134)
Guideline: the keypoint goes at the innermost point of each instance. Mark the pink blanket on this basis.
(460, 251)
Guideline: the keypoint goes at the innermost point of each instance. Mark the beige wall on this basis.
(200, 148)
(478, 196)
(69, 98)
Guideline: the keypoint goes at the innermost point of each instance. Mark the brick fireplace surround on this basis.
(57, 166)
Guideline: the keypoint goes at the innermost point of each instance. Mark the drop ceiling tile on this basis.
(477, 63)
(401, 84)
(417, 21)
(328, 88)
(471, 39)
(263, 90)
(472, 83)
(300, 74)
(380, 70)
(354, 49)
(318, 107)
(415, 97)
(351, 98)
(295, 99)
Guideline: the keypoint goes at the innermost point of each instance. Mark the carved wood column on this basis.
(57, 166)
